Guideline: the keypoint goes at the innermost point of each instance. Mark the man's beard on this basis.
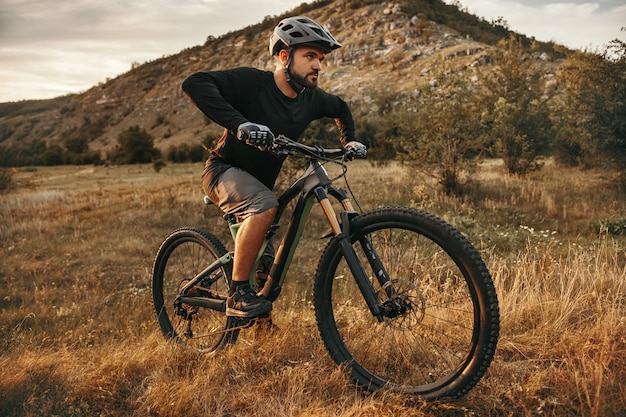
(304, 81)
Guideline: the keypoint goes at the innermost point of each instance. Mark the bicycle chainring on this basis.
(184, 310)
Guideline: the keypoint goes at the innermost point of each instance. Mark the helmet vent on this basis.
(319, 33)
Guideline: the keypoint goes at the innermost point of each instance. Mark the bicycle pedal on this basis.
(240, 323)
(262, 323)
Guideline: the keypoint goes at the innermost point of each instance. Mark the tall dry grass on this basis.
(78, 335)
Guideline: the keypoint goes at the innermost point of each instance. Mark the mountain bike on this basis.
(402, 299)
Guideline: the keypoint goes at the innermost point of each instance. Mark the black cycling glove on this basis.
(255, 134)
(355, 150)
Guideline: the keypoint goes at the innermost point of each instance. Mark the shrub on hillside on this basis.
(186, 153)
(134, 146)
(519, 115)
(440, 130)
(591, 114)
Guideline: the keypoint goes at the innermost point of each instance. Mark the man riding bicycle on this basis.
(252, 105)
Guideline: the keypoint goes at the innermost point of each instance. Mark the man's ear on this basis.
(283, 56)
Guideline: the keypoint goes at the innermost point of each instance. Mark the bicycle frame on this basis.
(314, 184)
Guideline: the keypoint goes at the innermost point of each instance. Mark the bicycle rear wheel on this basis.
(183, 255)
(441, 324)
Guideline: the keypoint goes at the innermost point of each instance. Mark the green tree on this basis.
(520, 116)
(76, 144)
(53, 155)
(593, 109)
(77, 152)
(440, 130)
(135, 146)
(178, 153)
(32, 153)
(197, 153)
(187, 153)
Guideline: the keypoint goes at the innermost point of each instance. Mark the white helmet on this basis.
(301, 31)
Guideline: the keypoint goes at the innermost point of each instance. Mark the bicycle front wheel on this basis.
(183, 255)
(441, 322)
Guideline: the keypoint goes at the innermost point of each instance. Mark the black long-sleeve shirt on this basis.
(240, 95)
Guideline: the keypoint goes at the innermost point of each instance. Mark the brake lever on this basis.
(276, 149)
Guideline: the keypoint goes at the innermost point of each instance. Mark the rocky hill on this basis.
(389, 49)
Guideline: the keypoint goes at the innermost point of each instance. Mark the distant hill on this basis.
(388, 49)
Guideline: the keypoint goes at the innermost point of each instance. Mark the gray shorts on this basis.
(237, 192)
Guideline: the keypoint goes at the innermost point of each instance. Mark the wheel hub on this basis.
(406, 308)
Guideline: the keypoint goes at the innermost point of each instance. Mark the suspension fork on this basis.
(342, 234)
(366, 244)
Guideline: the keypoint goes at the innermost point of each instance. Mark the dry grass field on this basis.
(78, 335)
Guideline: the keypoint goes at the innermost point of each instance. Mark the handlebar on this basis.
(285, 146)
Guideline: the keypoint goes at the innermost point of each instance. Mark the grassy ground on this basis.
(78, 334)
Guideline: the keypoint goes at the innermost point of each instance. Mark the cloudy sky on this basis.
(50, 48)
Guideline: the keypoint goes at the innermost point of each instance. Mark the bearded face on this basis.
(305, 66)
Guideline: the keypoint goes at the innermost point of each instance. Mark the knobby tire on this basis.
(444, 342)
(184, 254)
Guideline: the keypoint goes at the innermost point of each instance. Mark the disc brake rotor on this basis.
(404, 309)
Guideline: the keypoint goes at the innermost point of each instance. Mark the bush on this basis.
(440, 131)
(613, 227)
(38, 152)
(592, 113)
(135, 146)
(158, 165)
(519, 117)
(186, 153)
